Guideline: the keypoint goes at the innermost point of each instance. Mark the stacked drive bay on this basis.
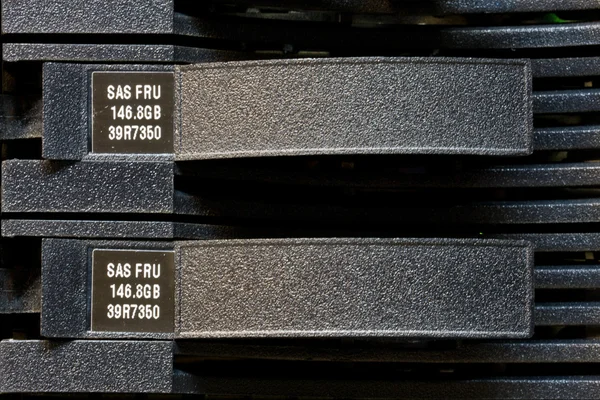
(300, 199)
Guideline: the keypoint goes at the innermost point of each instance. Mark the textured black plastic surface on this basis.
(13, 52)
(412, 196)
(567, 138)
(548, 242)
(355, 287)
(559, 67)
(67, 109)
(567, 277)
(66, 280)
(568, 101)
(59, 186)
(87, 16)
(487, 6)
(104, 229)
(316, 287)
(29, 366)
(535, 212)
(416, 105)
(444, 6)
(357, 6)
(524, 36)
(570, 313)
(88, 229)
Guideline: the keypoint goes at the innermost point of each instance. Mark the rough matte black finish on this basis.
(65, 112)
(530, 175)
(20, 290)
(440, 6)
(568, 101)
(321, 106)
(549, 242)
(567, 277)
(559, 67)
(357, 6)
(29, 366)
(355, 287)
(64, 288)
(534, 351)
(520, 212)
(13, 52)
(355, 106)
(489, 6)
(66, 106)
(324, 288)
(568, 313)
(87, 186)
(525, 36)
(88, 229)
(87, 16)
(567, 138)
(84, 229)
(66, 280)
